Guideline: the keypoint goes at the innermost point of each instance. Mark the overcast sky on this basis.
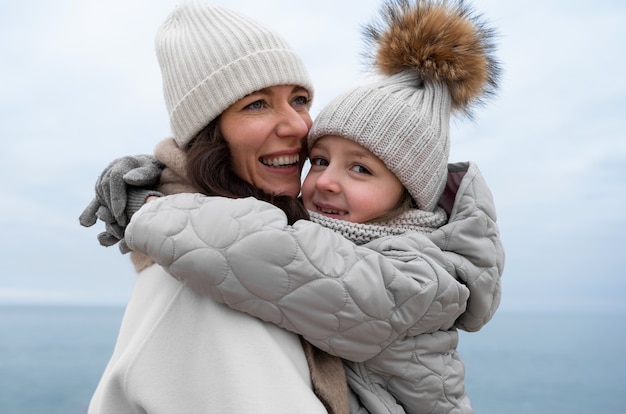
(80, 86)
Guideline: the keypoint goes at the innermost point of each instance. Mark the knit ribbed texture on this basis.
(212, 57)
(410, 221)
(404, 122)
(136, 198)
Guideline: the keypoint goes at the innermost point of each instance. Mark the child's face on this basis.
(347, 182)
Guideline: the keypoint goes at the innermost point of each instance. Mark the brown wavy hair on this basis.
(209, 168)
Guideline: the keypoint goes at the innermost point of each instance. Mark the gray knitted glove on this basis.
(114, 232)
(120, 191)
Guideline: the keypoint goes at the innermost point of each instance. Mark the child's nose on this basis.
(328, 181)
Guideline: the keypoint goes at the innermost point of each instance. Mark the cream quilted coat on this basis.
(390, 307)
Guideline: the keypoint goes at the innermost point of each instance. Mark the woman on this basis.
(178, 352)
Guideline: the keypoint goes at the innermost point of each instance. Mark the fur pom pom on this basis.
(439, 40)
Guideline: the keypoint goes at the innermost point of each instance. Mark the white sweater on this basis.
(180, 353)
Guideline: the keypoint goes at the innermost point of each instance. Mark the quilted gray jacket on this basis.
(390, 308)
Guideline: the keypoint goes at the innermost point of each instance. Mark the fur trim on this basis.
(328, 377)
(442, 41)
(174, 176)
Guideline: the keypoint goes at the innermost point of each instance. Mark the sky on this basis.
(80, 86)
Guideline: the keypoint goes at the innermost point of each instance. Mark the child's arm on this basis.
(472, 246)
(348, 300)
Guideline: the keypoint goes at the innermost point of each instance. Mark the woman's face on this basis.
(347, 182)
(266, 133)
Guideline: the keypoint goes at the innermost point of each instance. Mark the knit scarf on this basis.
(412, 220)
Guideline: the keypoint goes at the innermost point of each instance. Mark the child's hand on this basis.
(121, 190)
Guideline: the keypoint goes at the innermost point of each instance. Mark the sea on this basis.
(51, 358)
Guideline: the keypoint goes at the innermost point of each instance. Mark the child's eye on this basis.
(256, 104)
(319, 162)
(360, 169)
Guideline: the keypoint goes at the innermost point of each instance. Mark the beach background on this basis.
(80, 86)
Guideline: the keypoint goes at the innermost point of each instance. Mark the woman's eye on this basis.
(256, 105)
(319, 162)
(301, 100)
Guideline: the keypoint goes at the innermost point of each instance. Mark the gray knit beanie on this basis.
(211, 57)
(434, 58)
(404, 124)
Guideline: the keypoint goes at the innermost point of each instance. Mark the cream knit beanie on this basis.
(211, 57)
(434, 58)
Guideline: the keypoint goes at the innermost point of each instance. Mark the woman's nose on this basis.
(293, 123)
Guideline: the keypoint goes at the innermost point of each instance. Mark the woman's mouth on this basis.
(282, 161)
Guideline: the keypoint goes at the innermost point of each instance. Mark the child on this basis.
(390, 301)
